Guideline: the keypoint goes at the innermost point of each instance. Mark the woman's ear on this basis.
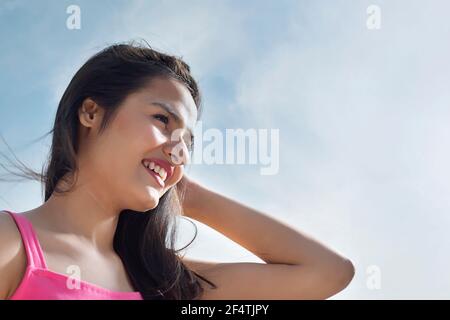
(89, 113)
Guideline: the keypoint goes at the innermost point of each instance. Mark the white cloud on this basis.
(364, 139)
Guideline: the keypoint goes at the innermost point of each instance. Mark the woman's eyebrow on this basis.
(174, 113)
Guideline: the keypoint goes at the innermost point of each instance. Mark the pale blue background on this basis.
(363, 116)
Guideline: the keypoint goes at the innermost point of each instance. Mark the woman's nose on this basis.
(176, 152)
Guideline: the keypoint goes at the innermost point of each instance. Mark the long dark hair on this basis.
(144, 242)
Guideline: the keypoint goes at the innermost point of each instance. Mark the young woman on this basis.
(114, 183)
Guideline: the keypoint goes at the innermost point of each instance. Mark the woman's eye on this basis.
(162, 118)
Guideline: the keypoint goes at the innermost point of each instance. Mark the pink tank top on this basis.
(39, 283)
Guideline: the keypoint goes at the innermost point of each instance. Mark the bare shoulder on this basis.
(262, 281)
(12, 255)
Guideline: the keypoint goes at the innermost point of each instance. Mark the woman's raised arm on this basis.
(298, 267)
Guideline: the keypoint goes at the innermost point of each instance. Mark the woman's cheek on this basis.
(154, 136)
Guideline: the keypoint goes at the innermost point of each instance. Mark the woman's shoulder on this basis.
(9, 233)
(12, 255)
(8, 228)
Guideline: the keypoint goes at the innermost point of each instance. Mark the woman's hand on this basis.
(190, 195)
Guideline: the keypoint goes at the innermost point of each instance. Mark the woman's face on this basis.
(142, 132)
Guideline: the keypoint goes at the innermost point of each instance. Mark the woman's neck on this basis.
(83, 212)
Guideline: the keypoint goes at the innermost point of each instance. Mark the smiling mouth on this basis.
(156, 168)
(158, 173)
(155, 175)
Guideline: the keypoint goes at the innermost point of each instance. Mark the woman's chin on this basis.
(151, 203)
(147, 200)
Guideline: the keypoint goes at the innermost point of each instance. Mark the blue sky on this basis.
(363, 116)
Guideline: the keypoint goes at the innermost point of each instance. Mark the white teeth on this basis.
(151, 165)
(163, 175)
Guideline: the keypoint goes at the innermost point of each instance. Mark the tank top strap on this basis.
(30, 241)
